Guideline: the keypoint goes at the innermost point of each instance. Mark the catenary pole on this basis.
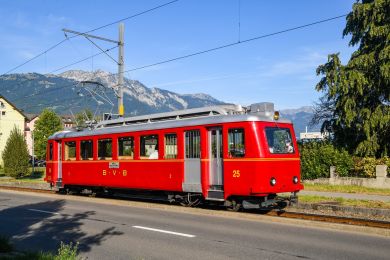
(120, 61)
(121, 68)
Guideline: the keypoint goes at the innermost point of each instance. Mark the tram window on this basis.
(279, 140)
(70, 151)
(50, 151)
(105, 149)
(125, 147)
(236, 139)
(170, 146)
(86, 149)
(149, 147)
(192, 144)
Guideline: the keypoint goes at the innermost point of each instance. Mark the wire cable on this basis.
(87, 58)
(92, 30)
(236, 43)
(45, 91)
(61, 68)
(215, 48)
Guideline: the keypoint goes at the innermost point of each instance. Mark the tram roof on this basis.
(153, 125)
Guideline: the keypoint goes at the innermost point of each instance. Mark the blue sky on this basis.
(280, 69)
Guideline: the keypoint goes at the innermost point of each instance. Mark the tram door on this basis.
(192, 180)
(216, 158)
(59, 169)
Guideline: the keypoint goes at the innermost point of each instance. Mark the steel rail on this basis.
(273, 213)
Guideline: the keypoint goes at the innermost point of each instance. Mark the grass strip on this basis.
(344, 202)
(346, 189)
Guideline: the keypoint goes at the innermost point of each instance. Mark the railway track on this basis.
(274, 213)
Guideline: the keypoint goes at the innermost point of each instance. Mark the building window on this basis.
(126, 147)
(70, 151)
(170, 146)
(149, 147)
(192, 144)
(3, 113)
(236, 139)
(86, 149)
(105, 149)
(279, 140)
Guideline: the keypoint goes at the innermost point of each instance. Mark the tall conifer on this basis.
(356, 101)
(15, 155)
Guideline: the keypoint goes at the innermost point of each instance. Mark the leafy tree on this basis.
(47, 124)
(84, 117)
(15, 155)
(356, 101)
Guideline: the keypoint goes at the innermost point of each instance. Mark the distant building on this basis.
(312, 136)
(30, 126)
(10, 116)
(68, 121)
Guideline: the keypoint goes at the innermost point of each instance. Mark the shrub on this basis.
(366, 166)
(67, 252)
(317, 157)
(15, 155)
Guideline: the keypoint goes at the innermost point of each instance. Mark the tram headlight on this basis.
(272, 181)
(276, 115)
(295, 179)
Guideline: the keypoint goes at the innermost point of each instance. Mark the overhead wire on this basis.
(84, 59)
(44, 91)
(92, 30)
(235, 43)
(218, 47)
(92, 56)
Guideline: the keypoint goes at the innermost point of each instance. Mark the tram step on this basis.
(215, 195)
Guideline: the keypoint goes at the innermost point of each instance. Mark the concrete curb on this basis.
(376, 213)
(29, 185)
(337, 210)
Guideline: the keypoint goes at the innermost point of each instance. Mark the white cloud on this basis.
(303, 66)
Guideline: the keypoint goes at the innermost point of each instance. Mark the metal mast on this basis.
(121, 68)
(120, 62)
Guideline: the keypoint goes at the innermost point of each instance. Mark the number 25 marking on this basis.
(236, 173)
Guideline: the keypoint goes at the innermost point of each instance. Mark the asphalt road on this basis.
(113, 230)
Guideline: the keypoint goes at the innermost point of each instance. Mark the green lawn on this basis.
(346, 189)
(66, 252)
(344, 202)
(37, 176)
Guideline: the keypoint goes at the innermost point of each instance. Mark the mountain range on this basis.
(31, 92)
(72, 91)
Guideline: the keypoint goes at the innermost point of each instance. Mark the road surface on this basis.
(107, 229)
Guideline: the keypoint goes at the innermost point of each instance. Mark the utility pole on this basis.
(121, 68)
(120, 61)
(32, 153)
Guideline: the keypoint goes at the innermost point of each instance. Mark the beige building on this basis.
(29, 128)
(10, 117)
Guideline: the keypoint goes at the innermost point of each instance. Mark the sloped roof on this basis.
(17, 109)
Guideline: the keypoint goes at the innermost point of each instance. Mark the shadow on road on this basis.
(42, 226)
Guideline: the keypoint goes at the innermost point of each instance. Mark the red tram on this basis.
(226, 154)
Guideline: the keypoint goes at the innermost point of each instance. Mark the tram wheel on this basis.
(189, 201)
(235, 206)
